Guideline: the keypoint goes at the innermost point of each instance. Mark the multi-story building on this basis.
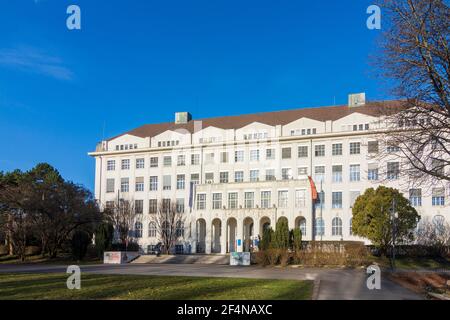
(234, 176)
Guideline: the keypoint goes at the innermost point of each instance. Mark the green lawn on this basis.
(93, 286)
(414, 263)
(60, 260)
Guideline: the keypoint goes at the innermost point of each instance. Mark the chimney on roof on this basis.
(356, 99)
(182, 117)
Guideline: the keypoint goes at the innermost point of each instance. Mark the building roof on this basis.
(272, 118)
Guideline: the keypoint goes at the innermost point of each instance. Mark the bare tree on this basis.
(122, 214)
(415, 58)
(169, 223)
(434, 233)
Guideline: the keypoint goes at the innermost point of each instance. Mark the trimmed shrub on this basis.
(266, 240)
(281, 235)
(273, 256)
(103, 238)
(261, 258)
(296, 239)
(80, 243)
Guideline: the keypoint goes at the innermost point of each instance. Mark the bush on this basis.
(3, 250)
(261, 258)
(285, 258)
(103, 238)
(281, 236)
(296, 239)
(266, 240)
(132, 246)
(32, 250)
(80, 243)
(273, 256)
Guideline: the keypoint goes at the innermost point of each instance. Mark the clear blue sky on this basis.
(139, 61)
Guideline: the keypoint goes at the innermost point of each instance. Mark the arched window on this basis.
(302, 226)
(336, 226)
(152, 230)
(351, 226)
(138, 230)
(320, 227)
(180, 229)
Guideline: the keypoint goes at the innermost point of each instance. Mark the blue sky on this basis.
(138, 61)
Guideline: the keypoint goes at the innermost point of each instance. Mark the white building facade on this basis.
(234, 176)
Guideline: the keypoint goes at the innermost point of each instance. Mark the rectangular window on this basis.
(152, 206)
(167, 161)
(415, 197)
(337, 173)
(181, 181)
(392, 149)
(111, 165)
(320, 202)
(139, 206)
(209, 177)
(110, 185)
(153, 162)
(195, 159)
(201, 201)
(254, 155)
(372, 172)
(139, 184)
(239, 156)
(249, 200)
(239, 176)
(355, 147)
(195, 178)
(140, 163)
(283, 199)
(319, 174)
(265, 199)
(353, 196)
(209, 158)
(372, 146)
(336, 200)
(217, 201)
(270, 154)
(224, 157)
(254, 175)
(438, 197)
(165, 205)
(224, 177)
(300, 198)
(270, 175)
(303, 151)
(153, 183)
(285, 153)
(302, 171)
(355, 174)
(286, 173)
(167, 182)
(180, 205)
(181, 160)
(124, 185)
(319, 150)
(336, 149)
(125, 164)
(393, 170)
(232, 200)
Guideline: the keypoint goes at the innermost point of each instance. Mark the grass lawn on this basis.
(60, 260)
(94, 286)
(414, 263)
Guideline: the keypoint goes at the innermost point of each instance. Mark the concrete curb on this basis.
(316, 289)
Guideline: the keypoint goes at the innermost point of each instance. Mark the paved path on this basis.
(340, 284)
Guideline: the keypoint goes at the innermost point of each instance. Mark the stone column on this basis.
(208, 236)
(240, 235)
(223, 237)
(194, 236)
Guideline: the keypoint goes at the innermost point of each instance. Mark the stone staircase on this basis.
(185, 259)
